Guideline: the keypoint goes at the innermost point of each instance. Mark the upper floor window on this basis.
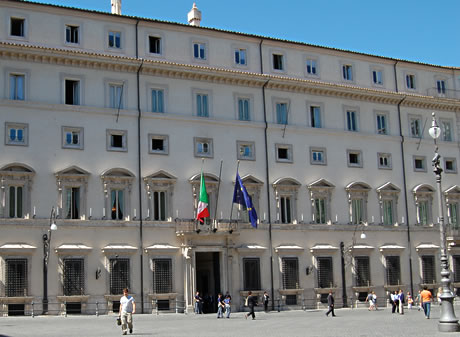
(388, 194)
(199, 51)
(115, 40)
(17, 26)
(315, 116)
(278, 62)
(377, 77)
(159, 144)
(450, 165)
(240, 56)
(354, 158)
(441, 87)
(281, 113)
(446, 127)
(17, 86)
(415, 126)
(203, 147)
(16, 202)
(202, 105)
(384, 160)
(311, 67)
(357, 193)
(420, 163)
(317, 156)
(286, 191)
(320, 197)
(160, 186)
(117, 140)
(72, 34)
(283, 153)
(347, 72)
(15, 185)
(352, 120)
(158, 100)
(72, 137)
(116, 96)
(244, 109)
(155, 45)
(245, 150)
(72, 185)
(72, 92)
(382, 128)
(410, 81)
(16, 134)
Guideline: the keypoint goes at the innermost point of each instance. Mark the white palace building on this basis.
(108, 120)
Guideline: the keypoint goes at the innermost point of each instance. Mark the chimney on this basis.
(194, 16)
(116, 6)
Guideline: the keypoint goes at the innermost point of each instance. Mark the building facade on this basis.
(109, 121)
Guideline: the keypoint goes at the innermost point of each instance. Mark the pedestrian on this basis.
(266, 300)
(402, 297)
(198, 303)
(252, 302)
(426, 298)
(410, 301)
(438, 295)
(220, 306)
(227, 303)
(127, 309)
(330, 303)
(370, 299)
(395, 302)
(374, 298)
(418, 301)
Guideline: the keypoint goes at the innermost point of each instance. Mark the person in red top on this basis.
(426, 297)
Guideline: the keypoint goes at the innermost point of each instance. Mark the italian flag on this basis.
(202, 210)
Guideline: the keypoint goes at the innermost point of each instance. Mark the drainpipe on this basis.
(139, 167)
(267, 177)
(404, 181)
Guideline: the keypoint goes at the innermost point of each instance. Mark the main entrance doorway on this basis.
(208, 279)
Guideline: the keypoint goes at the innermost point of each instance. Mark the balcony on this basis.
(216, 227)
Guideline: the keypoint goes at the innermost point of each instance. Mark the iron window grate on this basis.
(393, 270)
(119, 275)
(162, 276)
(428, 269)
(16, 277)
(74, 280)
(363, 275)
(325, 276)
(251, 273)
(290, 273)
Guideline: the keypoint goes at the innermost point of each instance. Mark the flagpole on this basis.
(196, 203)
(217, 199)
(231, 208)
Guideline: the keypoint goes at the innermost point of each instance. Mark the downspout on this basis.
(404, 181)
(139, 167)
(267, 177)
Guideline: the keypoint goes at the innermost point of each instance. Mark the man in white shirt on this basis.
(127, 309)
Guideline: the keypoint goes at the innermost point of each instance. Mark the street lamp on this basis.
(46, 255)
(447, 321)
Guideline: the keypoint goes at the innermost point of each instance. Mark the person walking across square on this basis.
(426, 298)
(127, 309)
(330, 303)
(252, 302)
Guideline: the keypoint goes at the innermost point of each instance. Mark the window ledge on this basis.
(17, 300)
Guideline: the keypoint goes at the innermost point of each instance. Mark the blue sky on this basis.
(421, 31)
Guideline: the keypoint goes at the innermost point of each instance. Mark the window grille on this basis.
(393, 270)
(290, 273)
(456, 268)
(74, 279)
(325, 276)
(362, 272)
(162, 276)
(251, 273)
(428, 271)
(119, 275)
(16, 277)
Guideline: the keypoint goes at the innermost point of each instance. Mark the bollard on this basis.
(97, 309)
(65, 308)
(156, 304)
(177, 308)
(279, 309)
(33, 314)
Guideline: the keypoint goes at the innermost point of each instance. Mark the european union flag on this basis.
(241, 196)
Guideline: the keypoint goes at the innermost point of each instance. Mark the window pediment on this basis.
(357, 187)
(453, 191)
(286, 182)
(320, 184)
(388, 188)
(119, 173)
(17, 169)
(71, 172)
(161, 177)
(209, 178)
(249, 180)
(423, 189)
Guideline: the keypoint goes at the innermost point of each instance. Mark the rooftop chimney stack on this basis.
(194, 16)
(116, 6)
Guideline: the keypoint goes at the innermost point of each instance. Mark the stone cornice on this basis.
(108, 62)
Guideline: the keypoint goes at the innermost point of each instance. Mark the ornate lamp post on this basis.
(46, 255)
(447, 321)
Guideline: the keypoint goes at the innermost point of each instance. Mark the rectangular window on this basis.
(251, 273)
(377, 77)
(352, 120)
(72, 137)
(318, 156)
(441, 87)
(159, 144)
(428, 269)
(162, 276)
(284, 153)
(17, 27)
(311, 67)
(203, 147)
(115, 40)
(320, 210)
(354, 158)
(15, 200)
(199, 51)
(119, 275)
(281, 113)
(363, 272)
(72, 203)
(382, 124)
(325, 274)
(16, 280)
(410, 81)
(72, 34)
(16, 134)
(72, 92)
(116, 96)
(17, 87)
(278, 63)
(74, 277)
(357, 209)
(245, 150)
(415, 127)
(456, 274)
(384, 160)
(419, 164)
(243, 109)
(423, 212)
(290, 272)
(446, 127)
(117, 140)
(159, 205)
(387, 212)
(453, 215)
(202, 108)
(155, 45)
(117, 202)
(315, 116)
(393, 270)
(158, 100)
(347, 72)
(286, 209)
(240, 57)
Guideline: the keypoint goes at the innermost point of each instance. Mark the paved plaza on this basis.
(356, 322)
